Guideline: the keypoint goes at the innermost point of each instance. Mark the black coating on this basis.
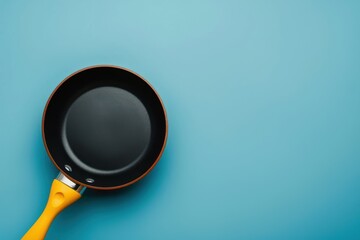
(107, 124)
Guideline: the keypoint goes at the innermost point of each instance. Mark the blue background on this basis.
(263, 103)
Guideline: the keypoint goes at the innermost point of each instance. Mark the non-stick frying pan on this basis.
(104, 127)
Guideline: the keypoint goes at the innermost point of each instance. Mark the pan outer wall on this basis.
(146, 119)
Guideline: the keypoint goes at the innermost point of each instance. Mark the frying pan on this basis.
(104, 127)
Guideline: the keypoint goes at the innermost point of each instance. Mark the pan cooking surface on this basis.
(106, 130)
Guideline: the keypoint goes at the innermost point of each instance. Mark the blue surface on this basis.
(263, 103)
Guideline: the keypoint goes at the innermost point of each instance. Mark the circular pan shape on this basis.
(104, 127)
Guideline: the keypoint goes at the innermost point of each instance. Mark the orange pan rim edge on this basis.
(96, 187)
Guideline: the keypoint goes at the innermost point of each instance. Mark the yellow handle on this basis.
(60, 197)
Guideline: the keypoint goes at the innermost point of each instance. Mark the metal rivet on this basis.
(68, 168)
(89, 180)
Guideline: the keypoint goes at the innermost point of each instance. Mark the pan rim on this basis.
(97, 187)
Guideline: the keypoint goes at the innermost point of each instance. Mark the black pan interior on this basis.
(104, 127)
